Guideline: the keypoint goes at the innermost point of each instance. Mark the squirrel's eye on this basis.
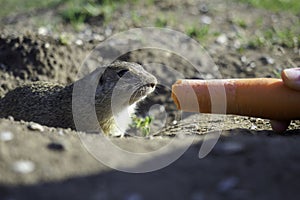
(122, 72)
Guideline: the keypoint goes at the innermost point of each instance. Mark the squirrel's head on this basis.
(124, 83)
(113, 92)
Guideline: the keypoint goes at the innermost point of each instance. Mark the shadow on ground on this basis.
(239, 167)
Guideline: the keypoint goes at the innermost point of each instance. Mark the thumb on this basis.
(291, 78)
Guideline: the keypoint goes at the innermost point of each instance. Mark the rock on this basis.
(43, 31)
(6, 136)
(244, 59)
(252, 65)
(60, 132)
(174, 122)
(23, 166)
(35, 127)
(206, 19)
(203, 8)
(79, 42)
(10, 118)
(55, 146)
(47, 45)
(259, 121)
(266, 60)
(232, 35)
(253, 127)
(108, 31)
(237, 44)
(98, 37)
(222, 39)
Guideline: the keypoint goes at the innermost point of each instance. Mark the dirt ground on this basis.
(249, 161)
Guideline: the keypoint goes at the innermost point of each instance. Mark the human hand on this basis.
(291, 78)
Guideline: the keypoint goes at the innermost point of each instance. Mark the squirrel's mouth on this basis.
(141, 92)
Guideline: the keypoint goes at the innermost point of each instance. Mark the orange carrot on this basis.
(257, 97)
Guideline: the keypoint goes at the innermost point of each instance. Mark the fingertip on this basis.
(291, 78)
(279, 126)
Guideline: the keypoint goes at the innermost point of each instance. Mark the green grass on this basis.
(276, 5)
(137, 18)
(143, 124)
(161, 22)
(75, 12)
(78, 11)
(240, 22)
(9, 7)
(267, 37)
(287, 38)
(199, 33)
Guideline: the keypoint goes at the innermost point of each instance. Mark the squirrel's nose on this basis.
(152, 85)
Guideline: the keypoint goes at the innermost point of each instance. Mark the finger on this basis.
(279, 126)
(256, 97)
(291, 78)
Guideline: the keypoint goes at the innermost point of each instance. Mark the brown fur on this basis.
(51, 104)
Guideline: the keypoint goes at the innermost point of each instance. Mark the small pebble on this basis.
(209, 76)
(253, 127)
(43, 31)
(161, 108)
(10, 118)
(36, 127)
(231, 35)
(108, 31)
(259, 121)
(280, 49)
(87, 32)
(52, 129)
(6, 136)
(252, 65)
(150, 137)
(203, 8)
(228, 184)
(60, 132)
(222, 39)
(206, 19)
(23, 166)
(270, 60)
(252, 119)
(237, 44)
(99, 37)
(47, 45)
(56, 146)
(79, 42)
(267, 60)
(244, 59)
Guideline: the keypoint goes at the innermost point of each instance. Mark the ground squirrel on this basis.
(51, 104)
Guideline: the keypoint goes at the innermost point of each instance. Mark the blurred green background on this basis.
(77, 12)
(94, 6)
